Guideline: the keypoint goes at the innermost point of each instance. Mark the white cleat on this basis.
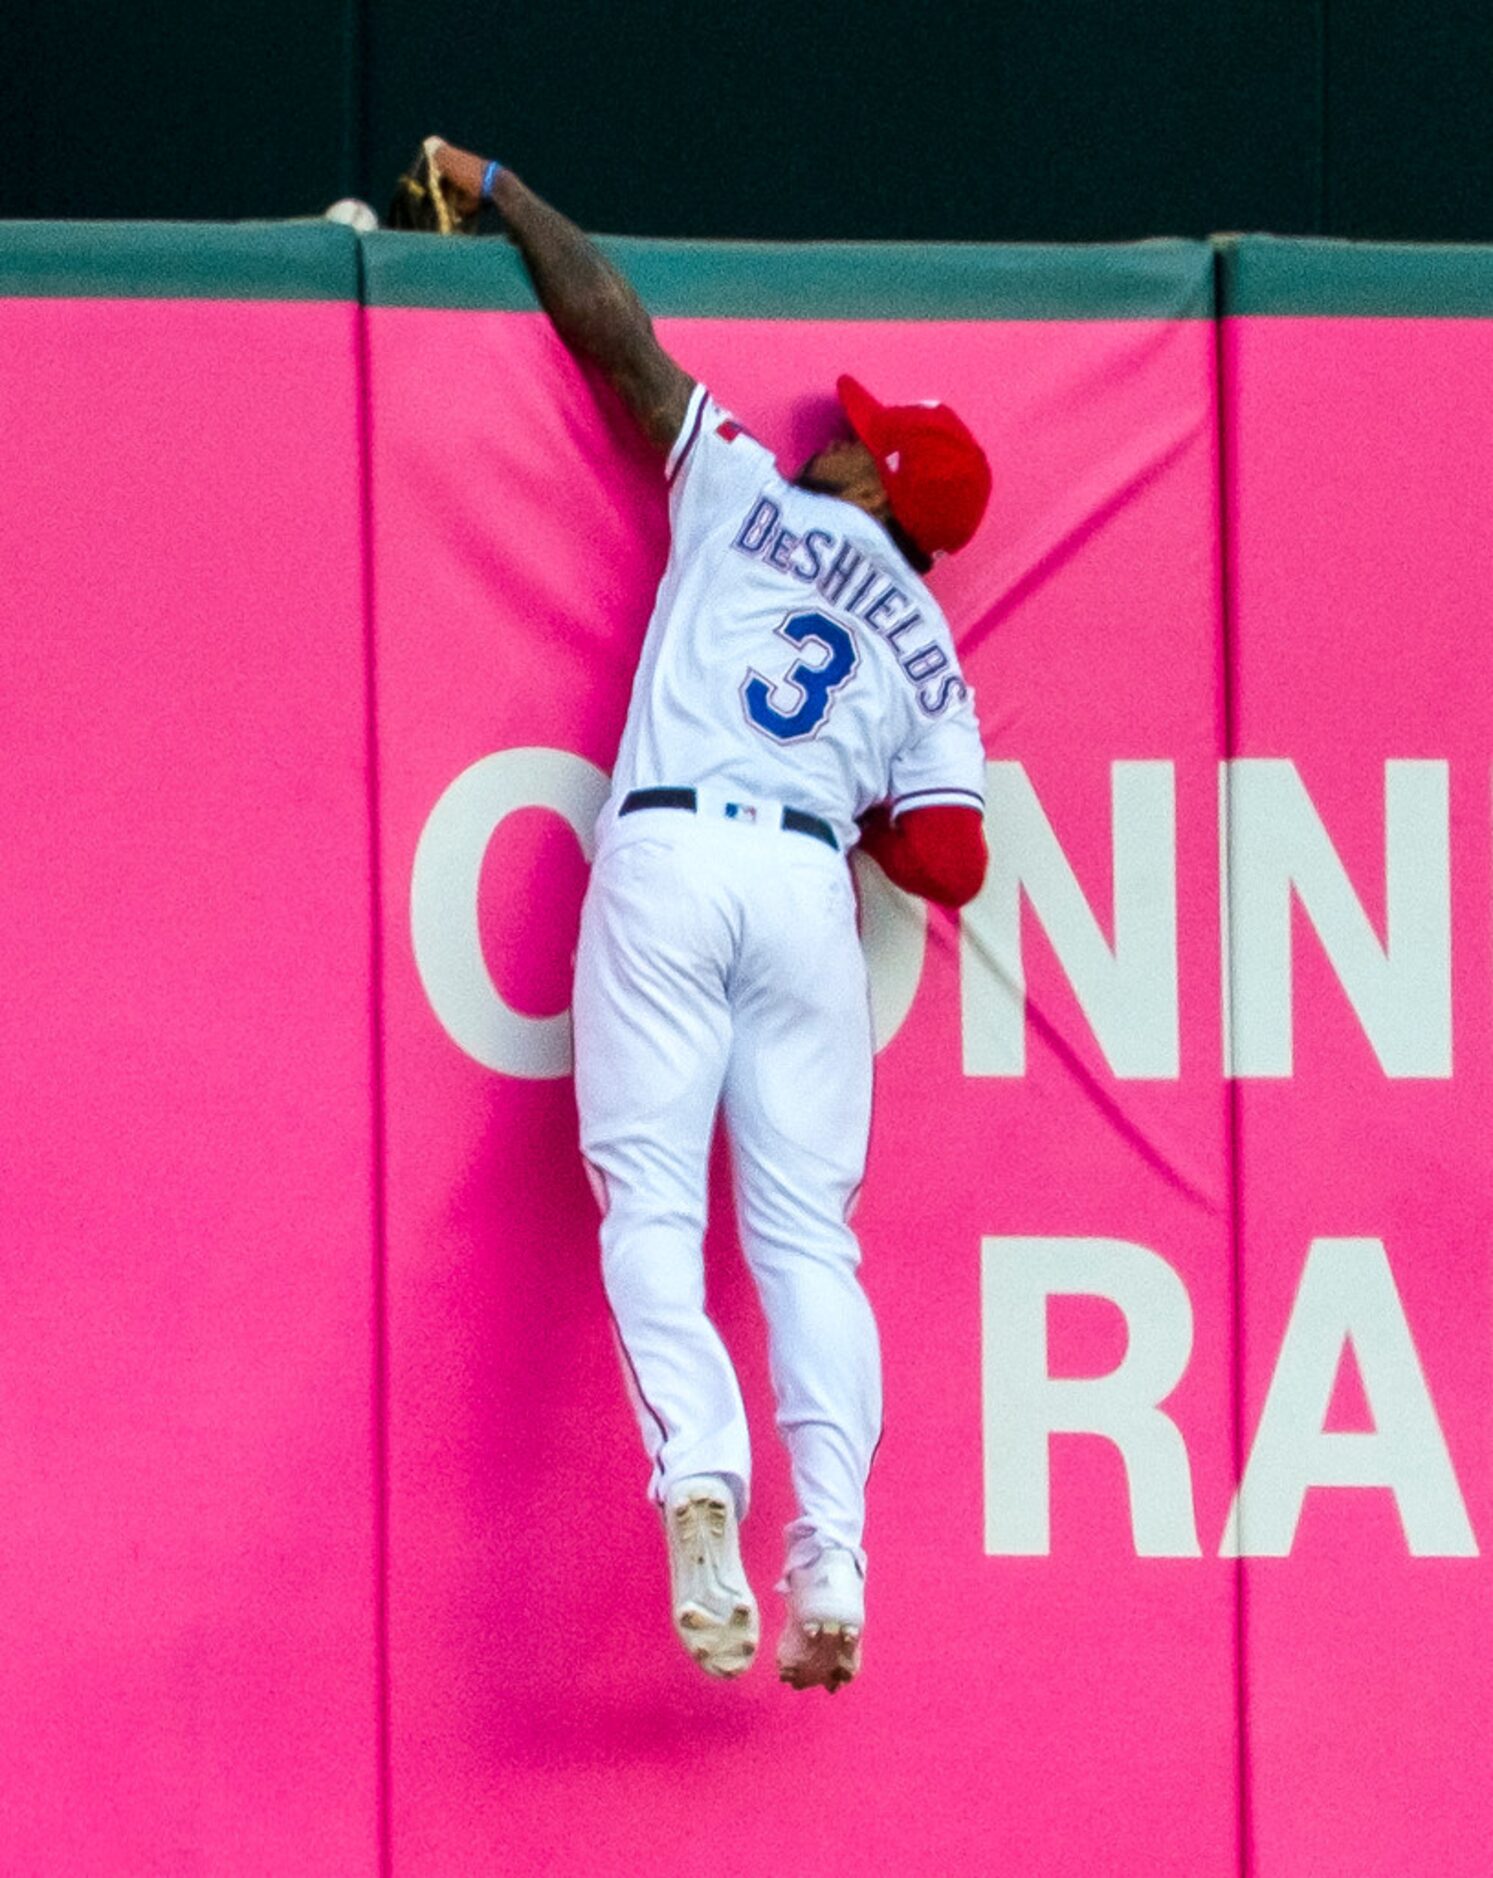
(715, 1614)
(820, 1647)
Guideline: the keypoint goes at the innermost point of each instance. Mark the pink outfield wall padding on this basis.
(324, 1545)
(1011, 1708)
(187, 1592)
(1360, 592)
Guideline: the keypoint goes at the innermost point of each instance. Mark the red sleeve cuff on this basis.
(938, 853)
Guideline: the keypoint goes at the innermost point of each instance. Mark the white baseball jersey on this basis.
(793, 658)
(792, 653)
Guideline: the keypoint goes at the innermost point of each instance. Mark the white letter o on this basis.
(443, 902)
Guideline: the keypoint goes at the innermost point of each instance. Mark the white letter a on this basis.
(1347, 1295)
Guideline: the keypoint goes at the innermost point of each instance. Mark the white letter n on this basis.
(1128, 991)
(1273, 845)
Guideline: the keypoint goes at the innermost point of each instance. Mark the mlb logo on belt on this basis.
(740, 812)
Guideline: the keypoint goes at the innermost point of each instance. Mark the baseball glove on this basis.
(425, 201)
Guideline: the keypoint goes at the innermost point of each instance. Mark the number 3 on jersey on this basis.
(815, 682)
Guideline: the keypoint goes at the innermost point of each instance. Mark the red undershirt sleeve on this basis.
(938, 853)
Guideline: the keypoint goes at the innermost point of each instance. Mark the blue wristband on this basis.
(489, 177)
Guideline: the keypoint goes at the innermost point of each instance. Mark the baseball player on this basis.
(798, 691)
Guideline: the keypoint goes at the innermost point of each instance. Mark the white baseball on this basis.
(354, 213)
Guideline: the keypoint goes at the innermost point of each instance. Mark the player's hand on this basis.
(463, 171)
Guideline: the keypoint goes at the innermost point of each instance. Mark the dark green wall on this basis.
(978, 119)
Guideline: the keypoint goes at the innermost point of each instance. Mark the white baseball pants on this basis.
(719, 965)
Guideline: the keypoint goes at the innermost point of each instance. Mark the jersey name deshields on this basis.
(792, 653)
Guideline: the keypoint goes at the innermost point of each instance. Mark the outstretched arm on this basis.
(593, 307)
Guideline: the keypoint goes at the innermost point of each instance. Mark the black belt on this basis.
(795, 820)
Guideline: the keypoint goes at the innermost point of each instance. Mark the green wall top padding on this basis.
(313, 260)
(1271, 274)
(317, 260)
(822, 280)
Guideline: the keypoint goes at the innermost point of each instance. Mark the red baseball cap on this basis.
(936, 476)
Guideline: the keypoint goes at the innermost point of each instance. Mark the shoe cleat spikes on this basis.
(820, 1646)
(715, 1615)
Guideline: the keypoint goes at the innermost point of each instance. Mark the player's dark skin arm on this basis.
(593, 307)
(599, 316)
(937, 853)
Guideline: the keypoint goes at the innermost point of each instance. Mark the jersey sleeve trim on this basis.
(689, 430)
(934, 798)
